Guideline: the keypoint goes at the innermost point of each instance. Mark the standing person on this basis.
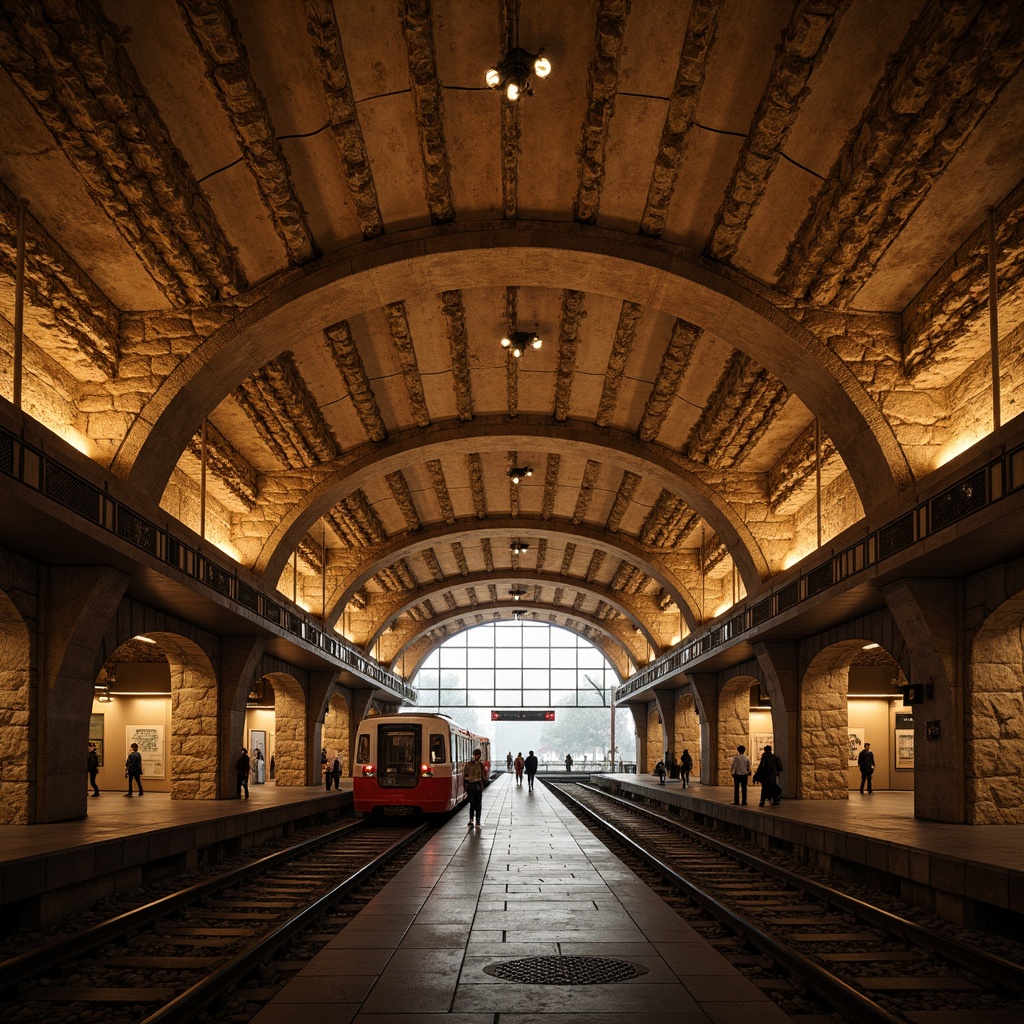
(473, 780)
(531, 769)
(659, 770)
(520, 764)
(242, 767)
(740, 772)
(768, 770)
(336, 772)
(508, 762)
(671, 766)
(568, 762)
(866, 764)
(685, 767)
(133, 769)
(92, 765)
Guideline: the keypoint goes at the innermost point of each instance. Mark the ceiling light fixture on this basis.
(517, 547)
(518, 473)
(513, 71)
(520, 341)
(517, 593)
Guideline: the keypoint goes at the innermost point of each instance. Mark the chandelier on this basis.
(513, 71)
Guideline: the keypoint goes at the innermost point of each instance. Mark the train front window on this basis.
(363, 750)
(398, 755)
(436, 748)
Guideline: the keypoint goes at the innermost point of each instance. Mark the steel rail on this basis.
(833, 990)
(16, 969)
(184, 1007)
(1002, 971)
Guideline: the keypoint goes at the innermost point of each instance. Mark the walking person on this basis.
(531, 769)
(740, 774)
(568, 762)
(473, 780)
(685, 767)
(866, 764)
(336, 772)
(768, 770)
(519, 764)
(659, 770)
(133, 769)
(508, 762)
(242, 768)
(92, 765)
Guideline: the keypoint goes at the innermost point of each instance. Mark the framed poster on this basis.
(856, 744)
(761, 740)
(904, 748)
(258, 754)
(150, 739)
(96, 735)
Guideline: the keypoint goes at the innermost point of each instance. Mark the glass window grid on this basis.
(531, 665)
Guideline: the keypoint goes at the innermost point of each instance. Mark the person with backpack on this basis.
(768, 770)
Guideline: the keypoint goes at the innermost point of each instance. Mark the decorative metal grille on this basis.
(217, 578)
(136, 530)
(248, 598)
(896, 536)
(294, 624)
(788, 596)
(71, 492)
(819, 579)
(760, 612)
(6, 454)
(272, 612)
(967, 497)
(565, 970)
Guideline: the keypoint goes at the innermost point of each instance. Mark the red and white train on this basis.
(408, 763)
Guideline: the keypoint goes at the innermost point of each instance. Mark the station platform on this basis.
(533, 884)
(48, 870)
(969, 874)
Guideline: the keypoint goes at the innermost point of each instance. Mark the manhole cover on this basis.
(565, 970)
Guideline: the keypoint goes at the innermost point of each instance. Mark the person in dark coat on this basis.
(768, 770)
(133, 770)
(531, 769)
(92, 765)
(568, 762)
(866, 764)
(685, 767)
(336, 772)
(242, 768)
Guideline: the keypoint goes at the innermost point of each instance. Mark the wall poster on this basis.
(150, 739)
(258, 754)
(761, 740)
(96, 735)
(904, 748)
(856, 744)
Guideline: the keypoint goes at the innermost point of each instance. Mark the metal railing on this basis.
(37, 470)
(979, 490)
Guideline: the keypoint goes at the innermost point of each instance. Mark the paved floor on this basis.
(533, 882)
(111, 816)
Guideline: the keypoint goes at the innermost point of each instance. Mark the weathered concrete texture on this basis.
(622, 346)
(570, 321)
(398, 328)
(292, 752)
(674, 364)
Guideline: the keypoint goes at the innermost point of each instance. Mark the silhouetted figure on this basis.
(242, 768)
(519, 765)
(685, 767)
(768, 769)
(568, 762)
(133, 770)
(473, 778)
(336, 773)
(92, 765)
(531, 769)
(866, 764)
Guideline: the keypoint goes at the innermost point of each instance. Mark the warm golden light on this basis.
(542, 67)
(957, 447)
(492, 78)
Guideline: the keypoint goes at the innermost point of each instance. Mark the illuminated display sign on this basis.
(520, 715)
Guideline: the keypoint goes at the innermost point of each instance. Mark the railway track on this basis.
(864, 962)
(163, 962)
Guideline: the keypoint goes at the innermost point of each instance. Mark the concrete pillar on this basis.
(705, 687)
(665, 701)
(926, 613)
(316, 706)
(640, 714)
(688, 729)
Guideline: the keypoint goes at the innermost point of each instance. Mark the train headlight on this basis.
(426, 771)
(368, 771)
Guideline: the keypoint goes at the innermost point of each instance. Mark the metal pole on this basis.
(202, 481)
(295, 576)
(702, 595)
(817, 473)
(323, 576)
(993, 318)
(612, 752)
(19, 305)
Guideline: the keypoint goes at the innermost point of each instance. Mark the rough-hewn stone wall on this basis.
(824, 733)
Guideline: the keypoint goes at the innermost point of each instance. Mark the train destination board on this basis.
(521, 715)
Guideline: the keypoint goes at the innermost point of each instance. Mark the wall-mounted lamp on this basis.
(512, 73)
(517, 593)
(518, 473)
(102, 694)
(518, 616)
(520, 341)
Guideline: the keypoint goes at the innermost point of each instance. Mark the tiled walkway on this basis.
(533, 882)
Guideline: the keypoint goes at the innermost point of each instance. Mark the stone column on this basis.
(926, 613)
(290, 746)
(239, 663)
(316, 705)
(665, 700)
(705, 687)
(779, 664)
(640, 713)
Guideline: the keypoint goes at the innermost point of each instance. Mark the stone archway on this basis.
(16, 733)
(824, 723)
(656, 739)
(688, 731)
(733, 723)
(194, 716)
(994, 740)
(336, 735)
(291, 766)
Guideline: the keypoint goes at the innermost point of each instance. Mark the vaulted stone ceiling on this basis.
(311, 223)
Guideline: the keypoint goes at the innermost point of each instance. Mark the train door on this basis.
(398, 755)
